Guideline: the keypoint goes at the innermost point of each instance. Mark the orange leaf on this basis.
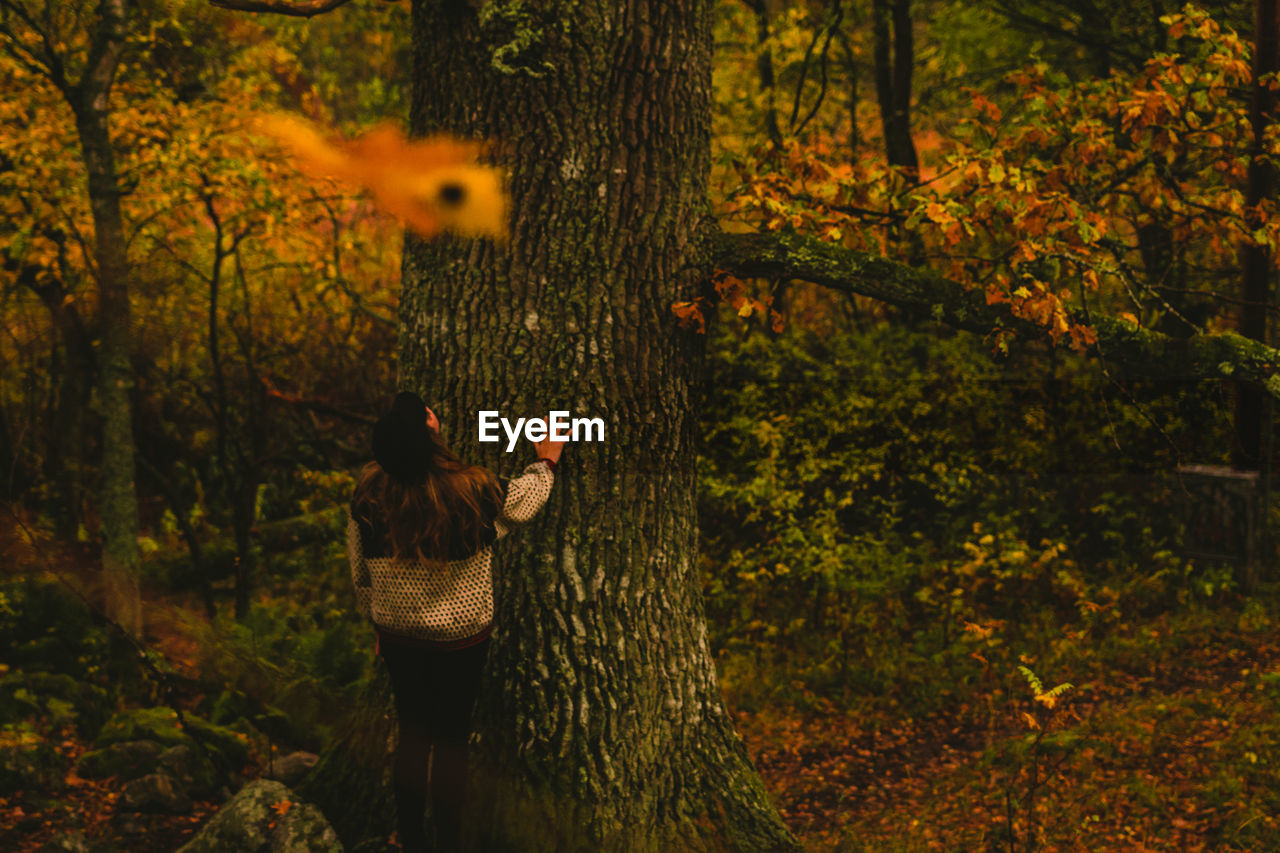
(282, 806)
(428, 184)
(937, 213)
(690, 316)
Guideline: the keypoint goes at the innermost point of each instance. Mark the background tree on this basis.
(81, 63)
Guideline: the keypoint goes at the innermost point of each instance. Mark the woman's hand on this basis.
(548, 449)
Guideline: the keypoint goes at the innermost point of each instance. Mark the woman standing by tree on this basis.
(419, 536)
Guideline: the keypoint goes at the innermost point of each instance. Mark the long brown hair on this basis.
(424, 519)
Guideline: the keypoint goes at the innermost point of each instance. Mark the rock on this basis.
(162, 726)
(292, 767)
(191, 769)
(155, 792)
(156, 724)
(27, 761)
(303, 829)
(65, 842)
(135, 823)
(249, 822)
(128, 760)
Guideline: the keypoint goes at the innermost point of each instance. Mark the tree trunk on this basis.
(70, 398)
(1255, 258)
(764, 66)
(894, 59)
(600, 725)
(118, 501)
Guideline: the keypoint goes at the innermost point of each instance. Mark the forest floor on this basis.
(1175, 749)
(1169, 740)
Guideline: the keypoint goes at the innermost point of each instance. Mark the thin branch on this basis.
(317, 406)
(293, 8)
(829, 28)
(50, 65)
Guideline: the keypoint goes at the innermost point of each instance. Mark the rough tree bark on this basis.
(118, 504)
(601, 724)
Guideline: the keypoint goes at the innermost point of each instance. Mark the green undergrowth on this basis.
(890, 515)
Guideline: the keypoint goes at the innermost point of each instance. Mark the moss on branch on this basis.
(1133, 350)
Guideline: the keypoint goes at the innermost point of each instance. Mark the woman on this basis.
(419, 535)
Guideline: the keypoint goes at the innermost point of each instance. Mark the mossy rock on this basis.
(56, 698)
(162, 726)
(126, 760)
(27, 761)
(192, 769)
(257, 819)
(155, 792)
(158, 724)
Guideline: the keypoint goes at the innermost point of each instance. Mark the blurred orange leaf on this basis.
(428, 184)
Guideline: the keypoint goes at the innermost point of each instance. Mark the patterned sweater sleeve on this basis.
(360, 577)
(526, 495)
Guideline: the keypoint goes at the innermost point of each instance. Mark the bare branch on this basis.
(293, 8)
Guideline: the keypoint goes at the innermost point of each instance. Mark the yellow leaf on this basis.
(745, 310)
(937, 213)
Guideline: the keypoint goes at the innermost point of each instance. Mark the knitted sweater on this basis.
(448, 606)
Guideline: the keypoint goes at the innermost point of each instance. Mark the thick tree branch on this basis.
(1138, 352)
(295, 8)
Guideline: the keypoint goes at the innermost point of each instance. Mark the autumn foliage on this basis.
(1124, 193)
(908, 535)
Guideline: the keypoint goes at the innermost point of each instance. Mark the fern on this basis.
(1059, 690)
(1036, 687)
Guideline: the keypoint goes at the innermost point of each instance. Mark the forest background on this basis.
(909, 532)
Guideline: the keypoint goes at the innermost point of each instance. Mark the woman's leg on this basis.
(456, 689)
(408, 671)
